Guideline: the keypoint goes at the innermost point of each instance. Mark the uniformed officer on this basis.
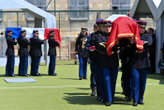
(52, 53)
(98, 73)
(23, 53)
(82, 53)
(125, 56)
(108, 64)
(10, 54)
(91, 50)
(35, 53)
(140, 68)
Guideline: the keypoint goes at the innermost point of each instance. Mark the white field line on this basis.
(61, 86)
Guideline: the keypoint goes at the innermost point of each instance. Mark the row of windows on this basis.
(84, 5)
(38, 3)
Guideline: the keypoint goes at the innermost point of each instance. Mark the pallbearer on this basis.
(91, 55)
(23, 53)
(125, 56)
(140, 67)
(35, 53)
(10, 54)
(52, 53)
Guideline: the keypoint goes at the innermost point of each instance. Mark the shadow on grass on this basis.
(86, 99)
(81, 99)
(76, 94)
(118, 93)
(84, 88)
(157, 77)
(121, 101)
(69, 78)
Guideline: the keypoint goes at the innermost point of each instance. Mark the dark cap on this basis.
(84, 29)
(35, 31)
(99, 22)
(51, 31)
(8, 31)
(22, 31)
(107, 23)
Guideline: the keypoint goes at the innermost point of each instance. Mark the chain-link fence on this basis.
(68, 22)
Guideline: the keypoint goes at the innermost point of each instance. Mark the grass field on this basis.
(66, 92)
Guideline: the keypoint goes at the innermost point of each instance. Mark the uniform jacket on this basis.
(10, 46)
(142, 60)
(52, 46)
(23, 46)
(102, 58)
(35, 47)
(80, 46)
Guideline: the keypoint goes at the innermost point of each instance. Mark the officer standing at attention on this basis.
(52, 53)
(91, 50)
(35, 53)
(140, 67)
(10, 54)
(82, 53)
(23, 53)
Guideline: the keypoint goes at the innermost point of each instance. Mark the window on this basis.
(38, 3)
(78, 5)
(120, 4)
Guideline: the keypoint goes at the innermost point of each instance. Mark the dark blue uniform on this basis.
(92, 64)
(82, 55)
(23, 55)
(125, 56)
(10, 56)
(108, 67)
(35, 53)
(52, 53)
(140, 70)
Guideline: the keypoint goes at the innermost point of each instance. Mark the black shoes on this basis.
(108, 103)
(55, 74)
(12, 75)
(93, 92)
(38, 74)
(128, 99)
(80, 78)
(26, 75)
(135, 103)
(141, 102)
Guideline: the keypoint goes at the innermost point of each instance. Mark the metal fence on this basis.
(67, 22)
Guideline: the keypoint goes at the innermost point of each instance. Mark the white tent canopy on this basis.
(50, 20)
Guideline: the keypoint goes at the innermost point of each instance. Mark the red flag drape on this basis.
(124, 27)
(57, 36)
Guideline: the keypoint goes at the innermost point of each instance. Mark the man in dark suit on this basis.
(35, 53)
(52, 53)
(23, 53)
(10, 54)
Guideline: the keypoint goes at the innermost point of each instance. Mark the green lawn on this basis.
(66, 92)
